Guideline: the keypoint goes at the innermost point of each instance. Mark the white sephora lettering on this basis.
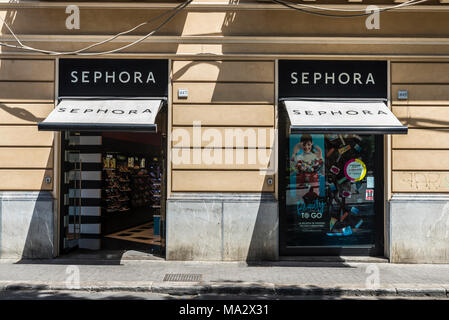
(112, 77)
(105, 111)
(331, 78)
(337, 112)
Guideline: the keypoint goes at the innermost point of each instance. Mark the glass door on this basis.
(332, 194)
(71, 187)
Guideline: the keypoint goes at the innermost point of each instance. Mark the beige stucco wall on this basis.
(26, 97)
(226, 58)
(420, 160)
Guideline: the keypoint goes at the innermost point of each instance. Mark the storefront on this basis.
(332, 121)
(112, 118)
(271, 131)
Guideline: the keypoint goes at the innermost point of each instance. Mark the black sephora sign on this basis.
(113, 78)
(332, 79)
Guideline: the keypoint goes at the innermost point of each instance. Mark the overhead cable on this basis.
(300, 7)
(173, 12)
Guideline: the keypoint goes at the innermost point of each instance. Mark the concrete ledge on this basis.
(292, 290)
(180, 288)
(418, 228)
(334, 259)
(26, 196)
(244, 288)
(217, 196)
(420, 197)
(222, 227)
(26, 224)
(422, 292)
(89, 286)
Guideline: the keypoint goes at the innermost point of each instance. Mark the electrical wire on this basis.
(407, 3)
(295, 6)
(175, 11)
(185, 4)
(180, 7)
(79, 52)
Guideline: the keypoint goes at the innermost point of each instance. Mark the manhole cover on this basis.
(182, 277)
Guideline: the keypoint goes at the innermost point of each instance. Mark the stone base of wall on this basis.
(419, 228)
(26, 225)
(223, 227)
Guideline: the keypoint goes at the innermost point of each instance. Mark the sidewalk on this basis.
(311, 278)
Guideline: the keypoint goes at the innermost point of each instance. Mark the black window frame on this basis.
(379, 205)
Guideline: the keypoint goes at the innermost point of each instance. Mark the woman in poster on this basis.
(307, 159)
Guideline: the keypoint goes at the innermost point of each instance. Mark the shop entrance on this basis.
(113, 191)
(333, 116)
(332, 194)
(113, 141)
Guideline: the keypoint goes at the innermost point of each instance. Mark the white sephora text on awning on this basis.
(364, 117)
(103, 115)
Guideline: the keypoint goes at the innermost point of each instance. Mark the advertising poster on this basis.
(330, 198)
(307, 194)
(347, 158)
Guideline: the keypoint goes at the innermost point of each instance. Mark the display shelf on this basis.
(140, 183)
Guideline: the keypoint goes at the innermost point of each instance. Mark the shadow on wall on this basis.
(1, 225)
(103, 22)
(249, 226)
(264, 243)
(39, 238)
(428, 124)
(26, 216)
(20, 113)
(26, 225)
(28, 228)
(9, 18)
(37, 229)
(292, 23)
(178, 74)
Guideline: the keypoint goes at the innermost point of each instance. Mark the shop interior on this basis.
(113, 190)
(132, 191)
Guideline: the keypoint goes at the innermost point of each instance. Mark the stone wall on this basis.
(419, 228)
(26, 225)
(228, 227)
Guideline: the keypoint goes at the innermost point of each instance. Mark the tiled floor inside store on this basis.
(142, 234)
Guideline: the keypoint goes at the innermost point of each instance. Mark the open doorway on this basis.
(131, 191)
(113, 192)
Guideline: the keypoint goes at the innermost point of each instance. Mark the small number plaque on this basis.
(183, 93)
(402, 94)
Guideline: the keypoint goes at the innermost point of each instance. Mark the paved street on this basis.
(127, 295)
(284, 272)
(145, 278)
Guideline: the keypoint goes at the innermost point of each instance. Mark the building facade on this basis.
(224, 101)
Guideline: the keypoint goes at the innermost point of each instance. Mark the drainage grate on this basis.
(182, 277)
